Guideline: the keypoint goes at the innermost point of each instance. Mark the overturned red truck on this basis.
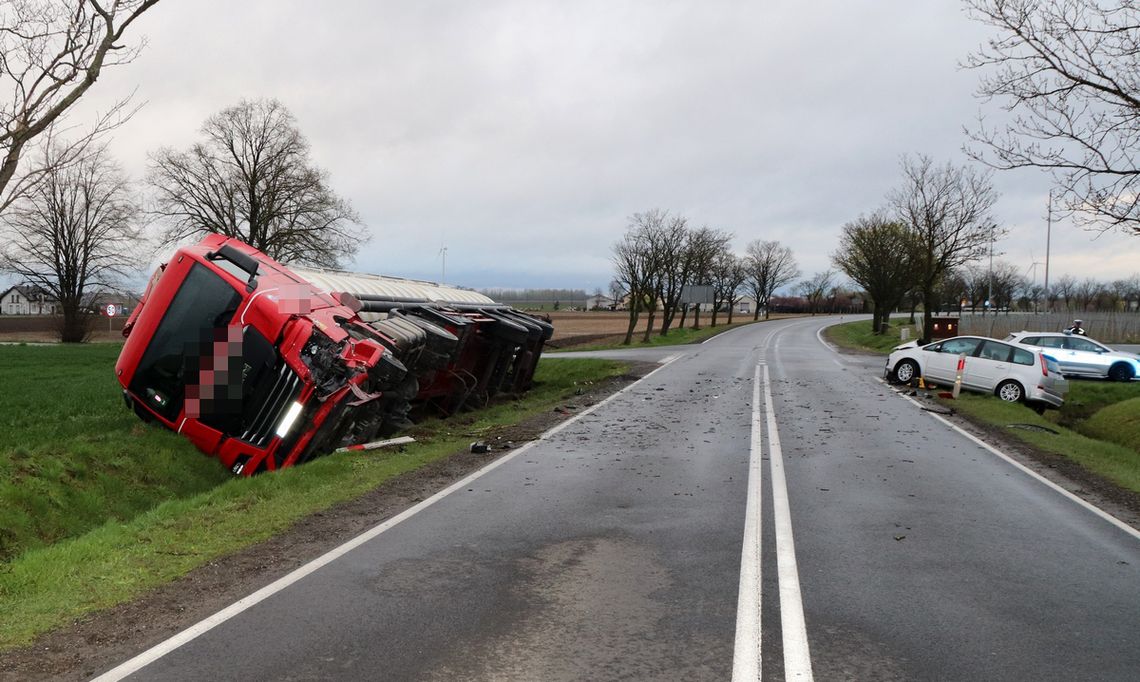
(266, 366)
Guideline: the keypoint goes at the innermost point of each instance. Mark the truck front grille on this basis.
(286, 388)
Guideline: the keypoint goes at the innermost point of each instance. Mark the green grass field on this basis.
(1098, 425)
(97, 508)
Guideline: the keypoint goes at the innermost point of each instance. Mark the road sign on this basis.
(111, 310)
(697, 293)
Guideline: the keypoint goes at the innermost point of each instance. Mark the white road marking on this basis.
(746, 653)
(797, 657)
(1018, 465)
(826, 344)
(162, 648)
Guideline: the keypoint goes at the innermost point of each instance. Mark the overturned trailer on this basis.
(265, 366)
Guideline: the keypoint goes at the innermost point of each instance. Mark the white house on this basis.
(26, 299)
(600, 303)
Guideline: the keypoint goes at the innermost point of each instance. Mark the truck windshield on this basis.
(204, 301)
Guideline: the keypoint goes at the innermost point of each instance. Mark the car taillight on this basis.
(1044, 365)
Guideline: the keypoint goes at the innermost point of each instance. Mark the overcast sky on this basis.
(522, 135)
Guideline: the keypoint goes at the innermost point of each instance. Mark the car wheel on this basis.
(1120, 372)
(906, 371)
(1010, 391)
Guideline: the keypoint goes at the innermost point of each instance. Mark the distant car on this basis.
(1081, 356)
(1011, 372)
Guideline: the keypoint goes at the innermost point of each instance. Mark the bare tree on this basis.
(729, 274)
(76, 230)
(815, 289)
(617, 290)
(770, 266)
(1086, 292)
(668, 236)
(1064, 288)
(948, 210)
(1066, 72)
(1005, 278)
(251, 178)
(878, 254)
(1130, 292)
(700, 258)
(634, 269)
(953, 288)
(51, 53)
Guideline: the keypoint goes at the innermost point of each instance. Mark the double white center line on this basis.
(746, 657)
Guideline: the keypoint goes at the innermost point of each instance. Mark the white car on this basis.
(1011, 372)
(1081, 356)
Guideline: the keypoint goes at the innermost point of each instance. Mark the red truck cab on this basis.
(253, 364)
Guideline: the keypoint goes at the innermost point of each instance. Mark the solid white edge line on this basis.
(159, 650)
(826, 344)
(747, 649)
(1018, 465)
(797, 655)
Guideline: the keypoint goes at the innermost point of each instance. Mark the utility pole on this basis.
(1048, 238)
(990, 285)
(442, 264)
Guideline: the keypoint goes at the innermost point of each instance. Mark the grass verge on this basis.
(1113, 461)
(860, 335)
(48, 585)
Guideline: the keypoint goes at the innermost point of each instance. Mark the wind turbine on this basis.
(442, 263)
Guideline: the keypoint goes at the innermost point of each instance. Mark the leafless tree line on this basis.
(1009, 289)
(662, 262)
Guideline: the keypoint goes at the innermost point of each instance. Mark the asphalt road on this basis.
(656, 536)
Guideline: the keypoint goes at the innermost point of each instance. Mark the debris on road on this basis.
(400, 440)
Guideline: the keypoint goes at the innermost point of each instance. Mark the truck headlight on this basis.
(291, 415)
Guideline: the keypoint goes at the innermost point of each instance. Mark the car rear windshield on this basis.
(204, 302)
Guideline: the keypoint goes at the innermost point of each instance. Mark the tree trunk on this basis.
(649, 324)
(667, 320)
(928, 315)
(633, 315)
(75, 324)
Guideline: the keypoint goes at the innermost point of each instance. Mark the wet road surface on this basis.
(878, 544)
